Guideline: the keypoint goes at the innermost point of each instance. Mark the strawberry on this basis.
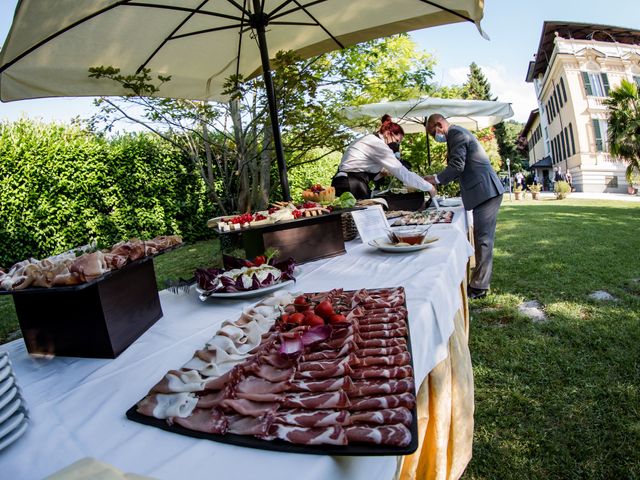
(284, 318)
(296, 318)
(324, 309)
(260, 260)
(336, 318)
(313, 320)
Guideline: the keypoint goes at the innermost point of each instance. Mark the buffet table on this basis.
(77, 405)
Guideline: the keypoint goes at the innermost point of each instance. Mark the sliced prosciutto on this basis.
(395, 435)
(244, 425)
(375, 352)
(389, 360)
(249, 407)
(203, 420)
(316, 401)
(383, 343)
(374, 372)
(334, 435)
(312, 418)
(366, 388)
(328, 385)
(386, 416)
(375, 327)
(254, 384)
(396, 332)
(407, 400)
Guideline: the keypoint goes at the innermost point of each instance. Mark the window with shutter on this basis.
(566, 138)
(564, 92)
(587, 83)
(605, 82)
(597, 134)
(559, 96)
(573, 143)
(563, 146)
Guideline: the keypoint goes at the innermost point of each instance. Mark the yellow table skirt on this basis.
(445, 411)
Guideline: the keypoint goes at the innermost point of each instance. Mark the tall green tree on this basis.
(477, 87)
(624, 126)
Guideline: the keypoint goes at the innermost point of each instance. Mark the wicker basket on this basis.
(349, 229)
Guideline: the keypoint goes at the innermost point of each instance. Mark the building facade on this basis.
(575, 67)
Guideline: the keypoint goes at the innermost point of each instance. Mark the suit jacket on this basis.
(467, 160)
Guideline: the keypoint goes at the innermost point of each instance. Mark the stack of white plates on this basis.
(13, 411)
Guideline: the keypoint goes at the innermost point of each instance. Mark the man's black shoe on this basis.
(475, 293)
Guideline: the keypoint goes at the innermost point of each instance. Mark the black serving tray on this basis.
(82, 286)
(303, 239)
(270, 227)
(356, 450)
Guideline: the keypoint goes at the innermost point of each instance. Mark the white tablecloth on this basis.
(77, 405)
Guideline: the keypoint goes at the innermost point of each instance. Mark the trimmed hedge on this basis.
(61, 187)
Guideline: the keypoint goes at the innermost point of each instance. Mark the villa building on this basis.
(575, 67)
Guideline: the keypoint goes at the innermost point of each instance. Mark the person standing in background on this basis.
(371, 155)
(480, 189)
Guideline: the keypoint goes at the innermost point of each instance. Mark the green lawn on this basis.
(559, 399)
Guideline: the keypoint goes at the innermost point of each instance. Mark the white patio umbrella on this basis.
(413, 114)
(199, 43)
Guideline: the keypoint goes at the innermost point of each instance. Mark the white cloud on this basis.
(505, 85)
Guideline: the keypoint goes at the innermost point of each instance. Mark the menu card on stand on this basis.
(371, 223)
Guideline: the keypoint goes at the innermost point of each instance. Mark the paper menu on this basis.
(371, 223)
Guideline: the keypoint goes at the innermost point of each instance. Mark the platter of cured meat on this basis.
(323, 373)
(425, 217)
(77, 270)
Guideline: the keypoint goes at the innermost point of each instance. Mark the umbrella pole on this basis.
(426, 133)
(271, 100)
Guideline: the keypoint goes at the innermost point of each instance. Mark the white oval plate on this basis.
(5, 372)
(6, 385)
(384, 245)
(244, 294)
(4, 359)
(11, 424)
(7, 411)
(7, 397)
(8, 440)
(450, 202)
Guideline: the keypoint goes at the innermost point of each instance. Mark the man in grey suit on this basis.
(480, 188)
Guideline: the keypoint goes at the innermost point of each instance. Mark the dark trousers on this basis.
(355, 184)
(485, 217)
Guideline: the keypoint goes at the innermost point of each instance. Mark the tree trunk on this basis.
(244, 199)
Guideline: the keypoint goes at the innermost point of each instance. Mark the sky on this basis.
(514, 28)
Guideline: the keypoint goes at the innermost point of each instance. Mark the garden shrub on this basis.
(561, 189)
(61, 187)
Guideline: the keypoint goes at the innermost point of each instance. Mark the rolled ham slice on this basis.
(386, 416)
(164, 406)
(316, 401)
(396, 435)
(203, 420)
(391, 372)
(328, 385)
(407, 400)
(366, 388)
(389, 360)
(334, 435)
(312, 418)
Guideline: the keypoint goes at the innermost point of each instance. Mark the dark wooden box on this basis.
(305, 239)
(413, 201)
(99, 319)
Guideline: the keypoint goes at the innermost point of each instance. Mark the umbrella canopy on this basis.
(199, 43)
(413, 114)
